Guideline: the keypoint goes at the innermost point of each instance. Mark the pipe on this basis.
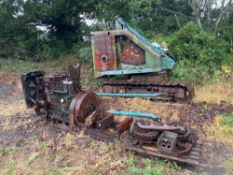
(128, 94)
(135, 114)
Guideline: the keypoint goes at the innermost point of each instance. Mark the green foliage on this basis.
(8, 150)
(228, 120)
(199, 55)
(53, 171)
(228, 165)
(86, 54)
(149, 167)
(32, 158)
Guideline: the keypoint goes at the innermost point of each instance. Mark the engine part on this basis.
(32, 86)
(85, 103)
(167, 142)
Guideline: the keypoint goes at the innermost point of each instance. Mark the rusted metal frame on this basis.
(124, 126)
(132, 54)
(184, 159)
(159, 127)
(103, 45)
(101, 135)
(129, 71)
(105, 122)
(162, 86)
(185, 148)
(135, 39)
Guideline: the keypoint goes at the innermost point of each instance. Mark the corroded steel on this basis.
(86, 103)
(104, 52)
(105, 122)
(159, 142)
(169, 90)
(125, 49)
(124, 126)
(132, 54)
(161, 127)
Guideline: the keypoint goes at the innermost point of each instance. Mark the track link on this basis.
(173, 91)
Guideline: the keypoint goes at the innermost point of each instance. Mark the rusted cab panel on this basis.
(124, 51)
(104, 51)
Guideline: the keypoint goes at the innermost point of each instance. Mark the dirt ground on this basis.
(31, 145)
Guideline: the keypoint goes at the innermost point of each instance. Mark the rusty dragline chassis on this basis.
(59, 96)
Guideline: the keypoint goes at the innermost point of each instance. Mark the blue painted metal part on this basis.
(135, 114)
(130, 71)
(129, 94)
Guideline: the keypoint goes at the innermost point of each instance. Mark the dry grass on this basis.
(73, 154)
(162, 110)
(14, 108)
(217, 132)
(216, 92)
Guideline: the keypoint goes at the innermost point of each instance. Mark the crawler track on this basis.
(173, 91)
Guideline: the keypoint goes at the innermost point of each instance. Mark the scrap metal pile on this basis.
(123, 51)
(59, 96)
(156, 139)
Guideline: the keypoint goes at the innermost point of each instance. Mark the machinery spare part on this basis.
(124, 51)
(135, 114)
(162, 140)
(129, 95)
(59, 97)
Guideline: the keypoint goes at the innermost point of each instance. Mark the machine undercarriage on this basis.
(167, 90)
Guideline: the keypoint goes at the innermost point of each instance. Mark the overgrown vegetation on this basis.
(199, 54)
(149, 167)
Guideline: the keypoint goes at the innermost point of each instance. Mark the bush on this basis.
(85, 53)
(198, 54)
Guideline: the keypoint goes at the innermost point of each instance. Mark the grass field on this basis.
(29, 145)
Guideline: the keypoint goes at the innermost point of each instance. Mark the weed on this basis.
(228, 120)
(9, 150)
(44, 147)
(146, 161)
(32, 157)
(220, 90)
(53, 171)
(32, 138)
(94, 144)
(9, 169)
(206, 107)
(152, 169)
(221, 130)
(62, 156)
(228, 165)
(134, 169)
(131, 164)
(131, 160)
